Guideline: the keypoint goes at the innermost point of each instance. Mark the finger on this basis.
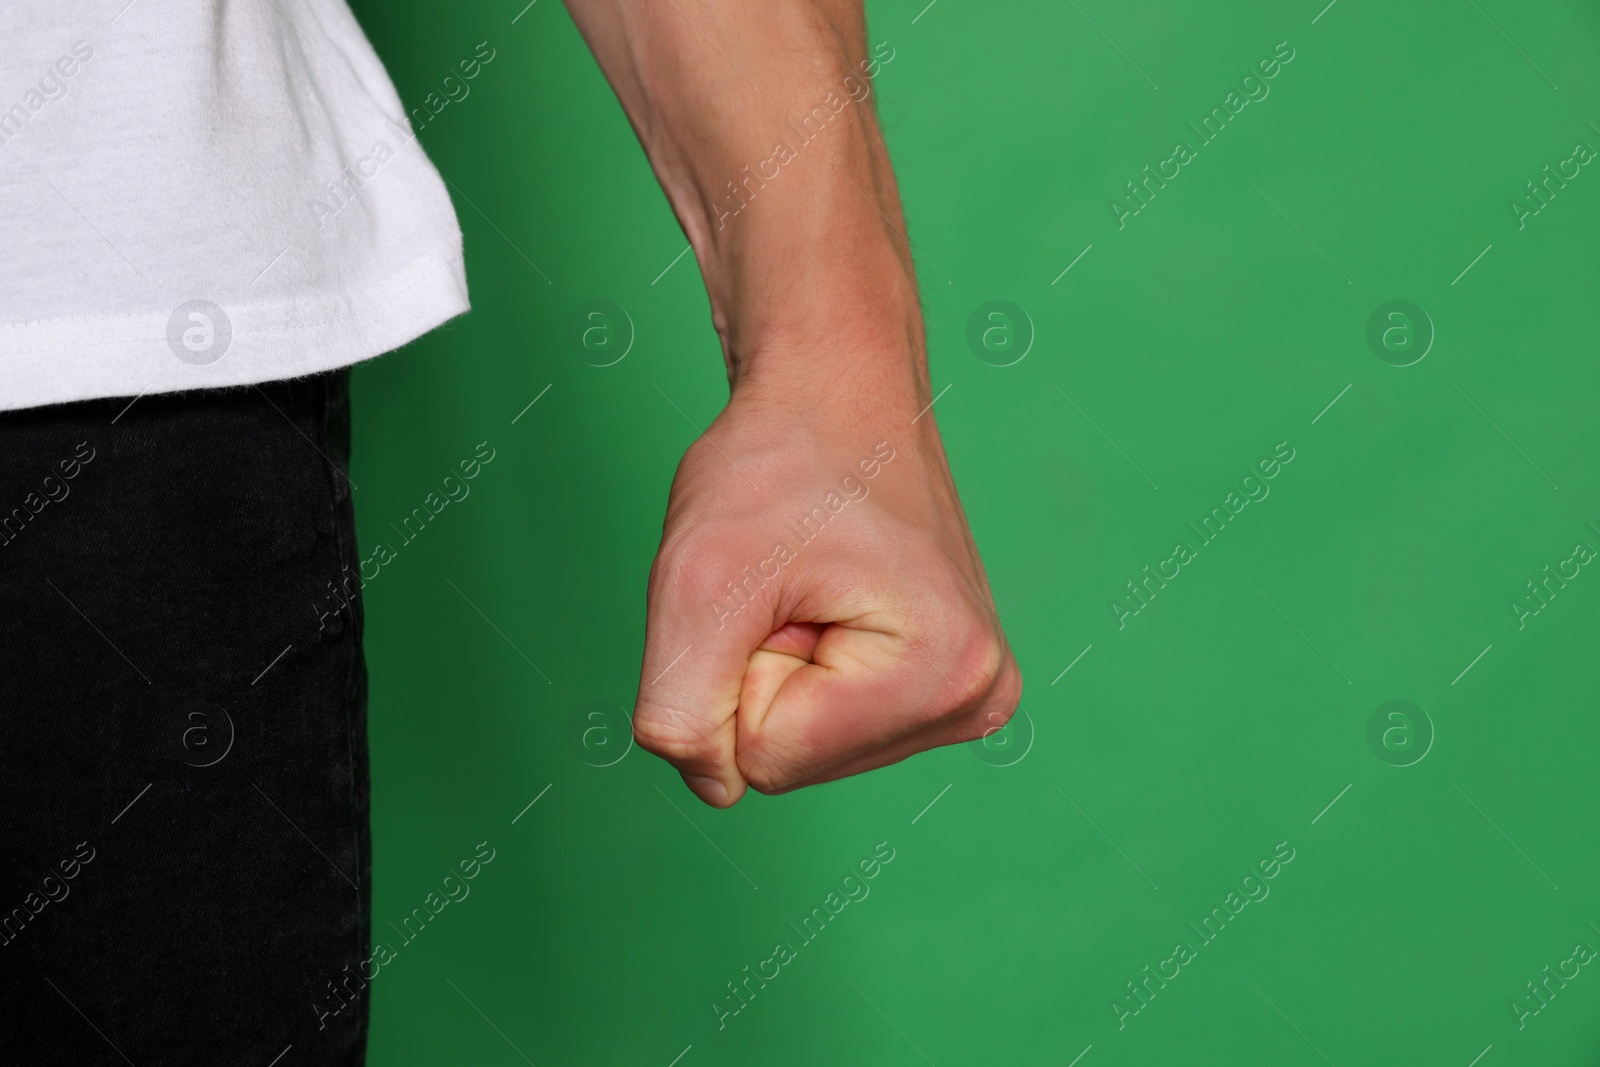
(795, 639)
(696, 654)
(869, 691)
(990, 716)
(931, 737)
(786, 650)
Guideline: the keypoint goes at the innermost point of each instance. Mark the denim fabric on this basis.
(184, 848)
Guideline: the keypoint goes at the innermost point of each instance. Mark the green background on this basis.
(1135, 790)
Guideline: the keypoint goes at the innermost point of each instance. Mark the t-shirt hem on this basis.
(67, 360)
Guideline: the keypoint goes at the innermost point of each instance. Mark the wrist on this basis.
(816, 330)
(832, 400)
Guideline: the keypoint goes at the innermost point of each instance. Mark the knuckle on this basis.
(1007, 695)
(980, 723)
(664, 733)
(765, 780)
(686, 566)
(705, 572)
(765, 771)
(993, 712)
(979, 664)
(976, 726)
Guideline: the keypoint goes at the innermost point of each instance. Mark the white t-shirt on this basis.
(199, 193)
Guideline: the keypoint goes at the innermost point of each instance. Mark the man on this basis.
(215, 208)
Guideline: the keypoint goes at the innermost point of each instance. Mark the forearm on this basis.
(758, 120)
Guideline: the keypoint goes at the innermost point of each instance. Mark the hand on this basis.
(817, 607)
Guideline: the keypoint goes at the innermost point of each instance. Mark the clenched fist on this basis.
(817, 607)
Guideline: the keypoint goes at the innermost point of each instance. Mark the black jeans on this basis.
(184, 849)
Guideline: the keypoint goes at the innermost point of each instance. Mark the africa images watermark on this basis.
(784, 952)
(851, 490)
(1211, 526)
(54, 490)
(341, 596)
(811, 126)
(1551, 982)
(51, 86)
(1550, 583)
(456, 889)
(54, 889)
(1543, 189)
(1142, 190)
(342, 191)
(1255, 888)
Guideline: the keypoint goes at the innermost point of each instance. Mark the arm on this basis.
(817, 607)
